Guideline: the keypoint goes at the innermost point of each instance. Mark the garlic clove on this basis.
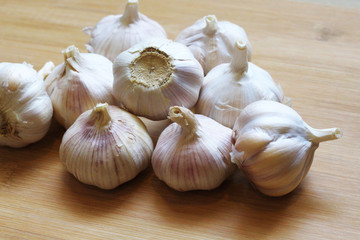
(159, 73)
(106, 146)
(274, 146)
(212, 41)
(116, 33)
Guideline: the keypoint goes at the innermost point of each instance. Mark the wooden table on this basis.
(312, 50)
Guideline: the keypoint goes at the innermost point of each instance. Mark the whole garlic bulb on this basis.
(193, 153)
(154, 75)
(230, 87)
(275, 147)
(25, 107)
(116, 33)
(78, 84)
(212, 42)
(106, 146)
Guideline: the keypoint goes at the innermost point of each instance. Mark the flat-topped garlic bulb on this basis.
(193, 153)
(230, 87)
(78, 84)
(274, 146)
(154, 75)
(116, 33)
(25, 107)
(212, 41)
(106, 146)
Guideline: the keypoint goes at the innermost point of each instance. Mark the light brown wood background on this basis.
(312, 50)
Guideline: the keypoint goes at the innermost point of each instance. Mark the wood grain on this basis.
(312, 50)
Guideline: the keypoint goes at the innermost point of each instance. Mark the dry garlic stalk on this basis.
(193, 153)
(78, 84)
(116, 33)
(25, 107)
(230, 87)
(106, 146)
(154, 75)
(212, 42)
(275, 147)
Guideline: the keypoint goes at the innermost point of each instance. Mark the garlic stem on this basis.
(186, 119)
(239, 62)
(71, 52)
(100, 115)
(131, 13)
(321, 135)
(46, 70)
(211, 25)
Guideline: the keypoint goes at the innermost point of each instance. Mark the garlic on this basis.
(116, 33)
(212, 42)
(78, 84)
(25, 107)
(275, 147)
(193, 153)
(154, 75)
(229, 87)
(106, 146)
(155, 127)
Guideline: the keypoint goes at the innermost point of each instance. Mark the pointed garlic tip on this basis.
(46, 70)
(131, 13)
(211, 24)
(185, 118)
(239, 62)
(100, 115)
(322, 135)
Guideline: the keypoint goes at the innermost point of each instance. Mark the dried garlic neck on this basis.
(186, 119)
(131, 13)
(239, 62)
(71, 56)
(100, 116)
(322, 135)
(211, 25)
(153, 68)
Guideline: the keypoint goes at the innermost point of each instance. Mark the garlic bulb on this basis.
(275, 147)
(25, 107)
(154, 75)
(229, 87)
(193, 153)
(155, 128)
(78, 84)
(212, 42)
(106, 146)
(116, 33)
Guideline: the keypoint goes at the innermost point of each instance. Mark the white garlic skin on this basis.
(154, 75)
(78, 84)
(274, 146)
(25, 107)
(106, 154)
(116, 33)
(155, 128)
(212, 41)
(188, 161)
(229, 87)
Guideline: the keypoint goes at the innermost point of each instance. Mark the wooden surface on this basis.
(312, 50)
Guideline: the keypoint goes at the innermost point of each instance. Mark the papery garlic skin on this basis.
(25, 107)
(154, 75)
(155, 128)
(193, 153)
(230, 87)
(105, 147)
(116, 33)
(274, 146)
(212, 41)
(78, 84)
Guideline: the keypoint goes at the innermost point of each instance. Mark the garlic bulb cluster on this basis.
(78, 84)
(229, 87)
(212, 42)
(25, 107)
(106, 146)
(275, 147)
(193, 153)
(154, 75)
(116, 33)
